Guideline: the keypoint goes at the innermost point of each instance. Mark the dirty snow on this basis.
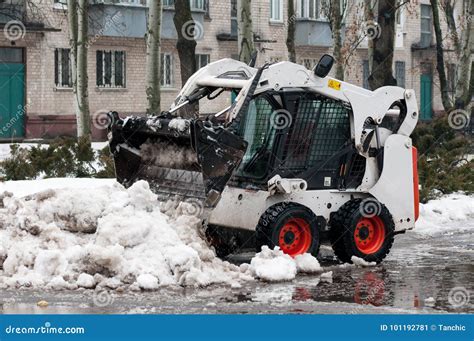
(147, 282)
(273, 265)
(61, 238)
(86, 281)
(326, 276)
(28, 187)
(307, 263)
(71, 233)
(446, 214)
(362, 262)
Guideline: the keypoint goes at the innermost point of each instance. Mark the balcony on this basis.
(128, 18)
(12, 10)
(32, 18)
(313, 32)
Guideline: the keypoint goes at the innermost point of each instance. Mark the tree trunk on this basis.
(369, 17)
(335, 19)
(443, 83)
(82, 95)
(78, 43)
(463, 93)
(290, 39)
(384, 42)
(187, 31)
(451, 22)
(72, 24)
(245, 36)
(153, 58)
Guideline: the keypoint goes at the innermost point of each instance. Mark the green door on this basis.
(426, 83)
(12, 96)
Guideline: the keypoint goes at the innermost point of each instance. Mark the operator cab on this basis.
(297, 134)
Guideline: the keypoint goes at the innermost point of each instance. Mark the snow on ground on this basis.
(446, 214)
(107, 236)
(70, 233)
(362, 262)
(273, 265)
(27, 187)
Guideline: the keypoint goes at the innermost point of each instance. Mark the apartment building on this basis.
(36, 99)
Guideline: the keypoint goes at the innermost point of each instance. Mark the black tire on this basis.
(343, 227)
(276, 217)
(217, 239)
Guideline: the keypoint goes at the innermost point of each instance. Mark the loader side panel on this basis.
(395, 187)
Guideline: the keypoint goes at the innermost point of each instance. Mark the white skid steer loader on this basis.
(299, 157)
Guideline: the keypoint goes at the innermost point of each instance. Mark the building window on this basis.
(310, 9)
(132, 2)
(276, 10)
(275, 59)
(166, 70)
(207, 13)
(309, 63)
(110, 69)
(365, 74)
(62, 68)
(425, 25)
(195, 4)
(400, 73)
(233, 18)
(452, 78)
(11, 55)
(202, 60)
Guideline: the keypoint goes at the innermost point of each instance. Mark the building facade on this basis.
(36, 98)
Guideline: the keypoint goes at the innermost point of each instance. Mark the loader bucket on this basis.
(179, 158)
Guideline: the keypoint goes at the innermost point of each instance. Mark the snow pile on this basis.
(326, 277)
(107, 237)
(447, 214)
(274, 265)
(307, 263)
(27, 187)
(362, 262)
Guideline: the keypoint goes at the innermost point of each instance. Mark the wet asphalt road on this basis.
(417, 277)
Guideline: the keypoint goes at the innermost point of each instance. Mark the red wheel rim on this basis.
(295, 237)
(369, 235)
